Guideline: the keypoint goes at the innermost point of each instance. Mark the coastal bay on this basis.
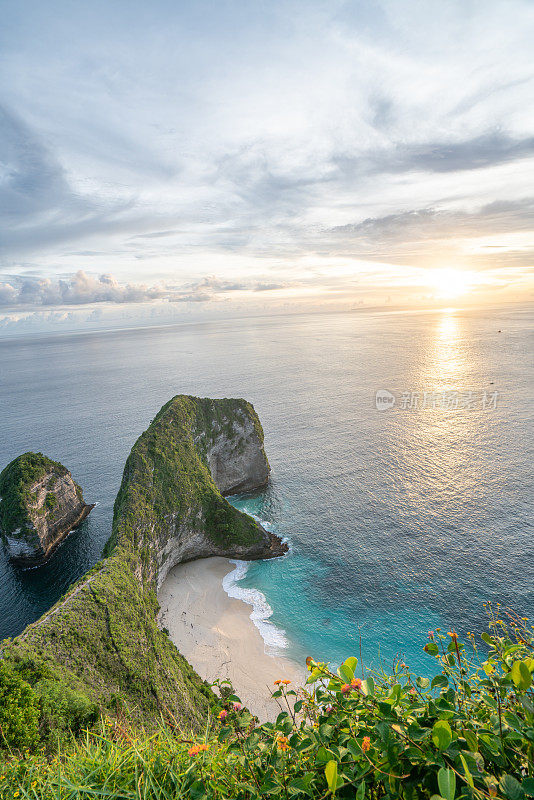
(214, 632)
(391, 531)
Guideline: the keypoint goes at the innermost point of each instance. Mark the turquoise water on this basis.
(399, 521)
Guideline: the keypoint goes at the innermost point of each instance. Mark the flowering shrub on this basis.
(468, 733)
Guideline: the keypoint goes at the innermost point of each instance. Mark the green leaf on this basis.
(521, 675)
(351, 662)
(368, 686)
(330, 772)
(487, 638)
(442, 734)
(439, 680)
(346, 673)
(510, 787)
(467, 773)
(354, 748)
(471, 739)
(431, 648)
(423, 683)
(325, 731)
(197, 790)
(315, 675)
(360, 793)
(447, 783)
(528, 786)
(322, 755)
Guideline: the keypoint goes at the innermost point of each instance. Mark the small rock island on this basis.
(40, 504)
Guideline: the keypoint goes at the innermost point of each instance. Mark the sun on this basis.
(450, 283)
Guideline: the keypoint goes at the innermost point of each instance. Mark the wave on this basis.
(273, 637)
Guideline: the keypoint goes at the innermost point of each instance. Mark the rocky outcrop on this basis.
(171, 506)
(40, 504)
(235, 454)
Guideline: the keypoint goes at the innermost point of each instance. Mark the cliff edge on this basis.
(40, 504)
(101, 640)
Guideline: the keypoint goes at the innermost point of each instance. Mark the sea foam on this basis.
(273, 637)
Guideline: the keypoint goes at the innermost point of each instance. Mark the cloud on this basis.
(170, 144)
(83, 289)
(269, 287)
(496, 217)
(409, 236)
(79, 289)
(38, 205)
(32, 182)
(434, 156)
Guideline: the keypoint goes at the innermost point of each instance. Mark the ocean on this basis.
(405, 511)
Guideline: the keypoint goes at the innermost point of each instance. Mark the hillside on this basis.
(99, 647)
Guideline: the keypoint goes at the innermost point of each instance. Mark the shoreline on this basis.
(217, 636)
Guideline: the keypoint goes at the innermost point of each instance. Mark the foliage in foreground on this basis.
(467, 734)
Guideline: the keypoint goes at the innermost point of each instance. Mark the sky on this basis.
(172, 160)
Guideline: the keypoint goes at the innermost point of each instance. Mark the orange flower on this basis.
(282, 743)
(277, 683)
(286, 682)
(346, 688)
(366, 744)
(223, 714)
(196, 749)
(453, 635)
(356, 683)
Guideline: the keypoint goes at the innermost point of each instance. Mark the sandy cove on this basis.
(215, 634)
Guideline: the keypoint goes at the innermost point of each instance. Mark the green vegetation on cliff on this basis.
(167, 482)
(16, 481)
(467, 735)
(99, 648)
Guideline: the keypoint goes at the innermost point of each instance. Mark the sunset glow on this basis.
(449, 283)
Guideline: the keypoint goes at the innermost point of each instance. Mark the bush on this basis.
(468, 733)
(19, 710)
(50, 501)
(63, 711)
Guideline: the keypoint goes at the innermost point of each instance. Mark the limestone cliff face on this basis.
(170, 506)
(235, 455)
(40, 505)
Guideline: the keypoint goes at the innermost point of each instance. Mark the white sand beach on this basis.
(215, 634)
